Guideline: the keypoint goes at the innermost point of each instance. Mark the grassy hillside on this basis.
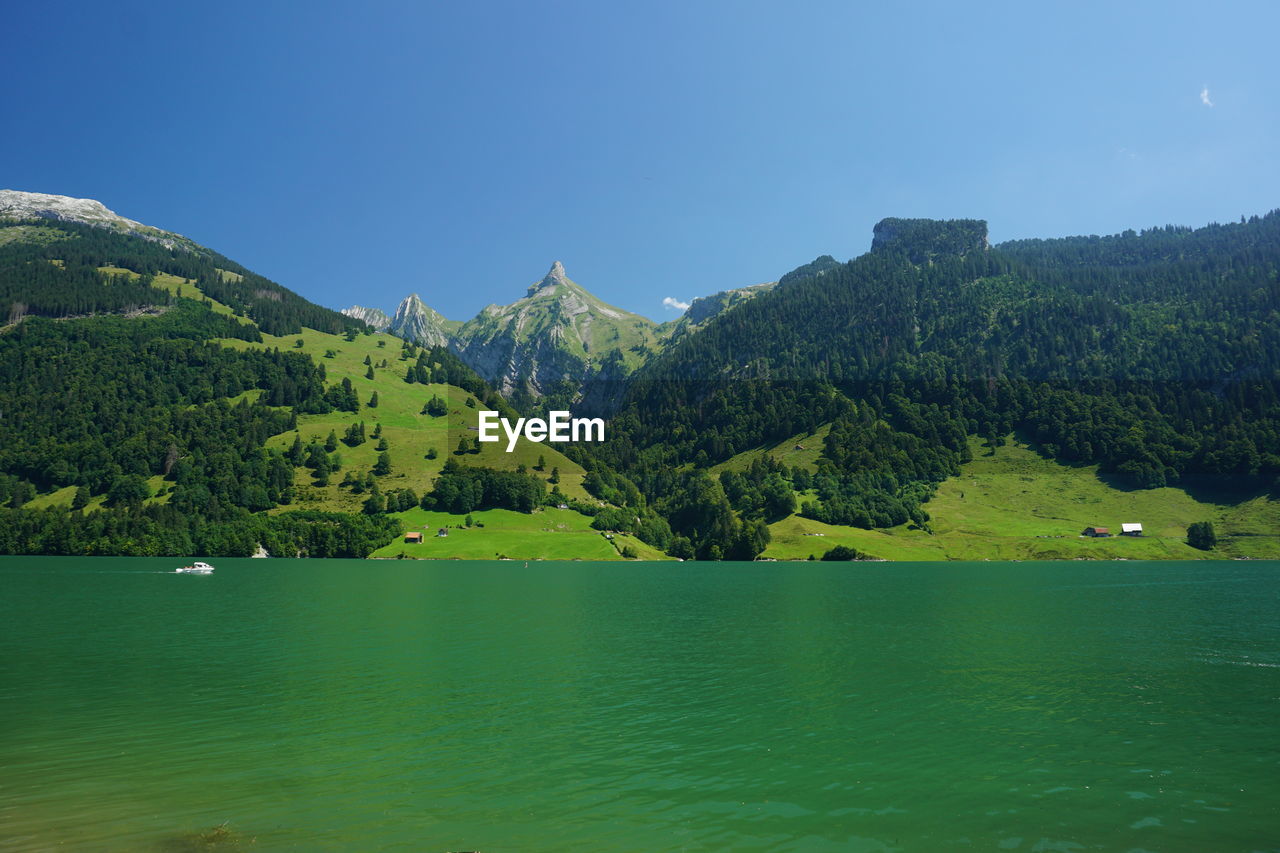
(409, 433)
(798, 451)
(548, 534)
(1016, 505)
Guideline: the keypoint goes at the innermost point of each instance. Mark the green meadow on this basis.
(546, 534)
(410, 434)
(799, 451)
(183, 287)
(1017, 505)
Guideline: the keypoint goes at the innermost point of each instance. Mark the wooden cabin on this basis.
(413, 536)
(1131, 529)
(1097, 532)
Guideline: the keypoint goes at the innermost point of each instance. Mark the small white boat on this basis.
(196, 568)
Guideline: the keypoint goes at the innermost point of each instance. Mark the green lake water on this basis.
(371, 705)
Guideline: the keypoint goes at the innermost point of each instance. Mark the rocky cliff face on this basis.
(416, 322)
(375, 317)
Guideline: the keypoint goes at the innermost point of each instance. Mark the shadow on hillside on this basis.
(1221, 490)
(1224, 490)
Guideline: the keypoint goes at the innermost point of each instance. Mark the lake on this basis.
(417, 706)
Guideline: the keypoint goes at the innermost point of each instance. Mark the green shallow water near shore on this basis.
(370, 705)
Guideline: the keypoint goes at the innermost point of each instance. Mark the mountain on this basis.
(15, 204)
(557, 334)
(560, 344)
(816, 267)
(142, 414)
(703, 308)
(924, 239)
(415, 321)
(1154, 356)
(162, 399)
(56, 251)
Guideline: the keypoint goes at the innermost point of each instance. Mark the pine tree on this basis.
(331, 443)
(355, 434)
(383, 466)
(373, 400)
(323, 468)
(368, 373)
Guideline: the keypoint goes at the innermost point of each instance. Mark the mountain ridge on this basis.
(18, 204)
(838, 399)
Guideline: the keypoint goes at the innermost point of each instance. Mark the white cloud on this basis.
(675, 304)
(1204, 97)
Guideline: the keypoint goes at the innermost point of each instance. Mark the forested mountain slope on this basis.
(157, 398)
(142, 414)
(1154, 355)
(54, 268)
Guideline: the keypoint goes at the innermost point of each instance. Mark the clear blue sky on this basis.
(659, 149)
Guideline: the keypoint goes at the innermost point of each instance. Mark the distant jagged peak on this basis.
(375, 317)
(555, 276)
(416, 321)
(413, 304)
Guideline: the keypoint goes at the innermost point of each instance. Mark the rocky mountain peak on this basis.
(555, 276)
(416, 321)
(411, 303)
(15, 204)
(22, 205)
